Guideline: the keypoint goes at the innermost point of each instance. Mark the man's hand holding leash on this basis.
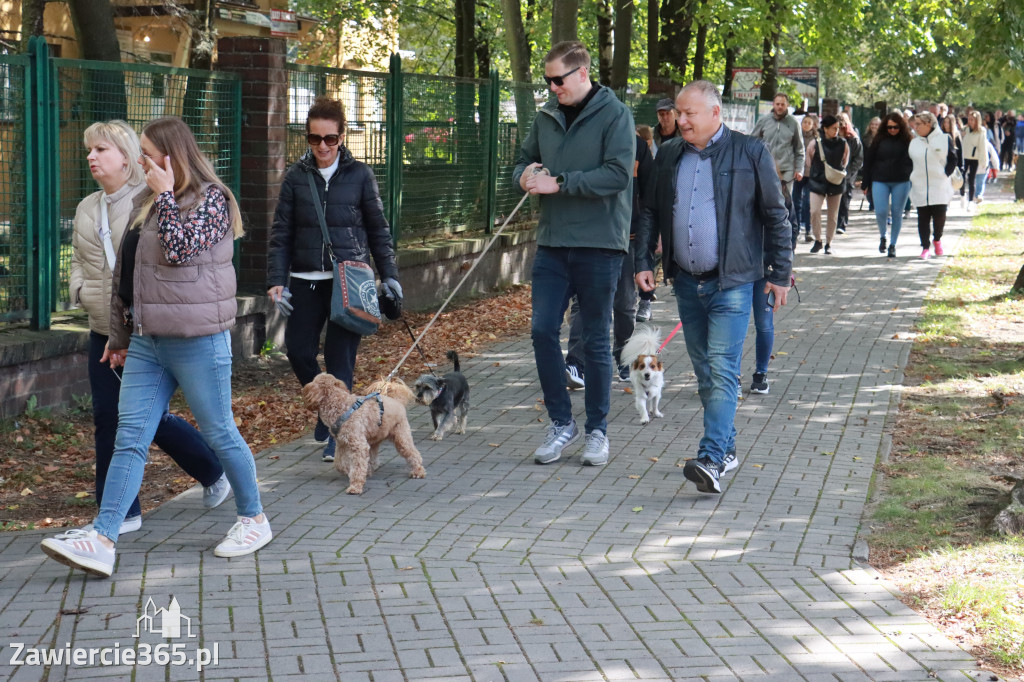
(537, 180)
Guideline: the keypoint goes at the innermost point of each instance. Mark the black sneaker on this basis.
(643, 311)
(881, 245)
(817, 247)
(892, 251)
(828, 249)
(808, 238)
(840, 230)
(623, 372)
(704, 473)
(760, 383)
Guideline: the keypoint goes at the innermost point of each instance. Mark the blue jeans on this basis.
(175, 436)
(890, 198)
(802, 202)
(592, 275)
(979, 182)
(623, 316)
(714, 326)
(155, 367)
(764, 327)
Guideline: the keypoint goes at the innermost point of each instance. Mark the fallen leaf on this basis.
(638, 509)
(81, 495)
(493, 445)
(653, 459)
(406, 568)
(628, 390)
(757, 466)
(49, 468)
(274, 457)
(781, 352)
(27, 491)
(634, 477)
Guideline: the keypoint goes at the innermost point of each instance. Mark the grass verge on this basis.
(957, 450)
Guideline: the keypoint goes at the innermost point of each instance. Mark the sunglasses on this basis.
(315, 140)
(892, 127)
(560, 80)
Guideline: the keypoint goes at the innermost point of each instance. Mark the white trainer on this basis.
(245, 537)
(218, 492)
(80, 549)
(129, 525)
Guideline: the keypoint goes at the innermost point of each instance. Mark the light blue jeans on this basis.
(714, 326)
(890, 198)
(979, 181)
(764, 327)
(155, 367)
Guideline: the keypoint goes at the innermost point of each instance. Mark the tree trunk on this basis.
(623, 43)
(1018, 284)
(655, 83)
(519, 57)
(677, 16)
(483, 55)
(770, 52)
(604, 41)
(730, 64)
(94, 27)
(1010, 521)
(563, 20)
(465, 38)
(200, 55)
(700, 50)
(31, 20)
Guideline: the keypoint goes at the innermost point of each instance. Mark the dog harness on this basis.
(340, 421)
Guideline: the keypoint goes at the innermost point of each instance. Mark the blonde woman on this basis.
(930, 188)
(975, 141)
(174, 301)
(100, 222)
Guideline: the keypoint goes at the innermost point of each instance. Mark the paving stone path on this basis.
(493, 568)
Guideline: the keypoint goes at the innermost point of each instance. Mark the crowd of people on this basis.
(719, 212)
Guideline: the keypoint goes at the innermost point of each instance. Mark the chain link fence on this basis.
(14, 219)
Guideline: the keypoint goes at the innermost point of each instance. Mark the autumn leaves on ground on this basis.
(47, 458)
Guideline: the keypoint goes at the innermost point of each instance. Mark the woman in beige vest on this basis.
(100, 222)
(172, 306)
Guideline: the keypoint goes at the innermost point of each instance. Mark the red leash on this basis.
(665, 342)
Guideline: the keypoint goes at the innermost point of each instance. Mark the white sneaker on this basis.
(573, 377)
(129, 525)
(963, 201)
(218, 492)
(80, 549)
(245, 537)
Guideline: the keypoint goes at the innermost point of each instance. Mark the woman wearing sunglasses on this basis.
(887, 169)
(300, 276)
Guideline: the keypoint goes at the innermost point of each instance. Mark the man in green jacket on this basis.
(578, 157)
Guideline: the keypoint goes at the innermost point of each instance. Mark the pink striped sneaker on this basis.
(80, 549)
(938, 248)
(245, 537)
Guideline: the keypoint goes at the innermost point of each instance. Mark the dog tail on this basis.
(454, 357)
(644, 341)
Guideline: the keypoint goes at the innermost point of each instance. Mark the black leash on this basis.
(417, 345)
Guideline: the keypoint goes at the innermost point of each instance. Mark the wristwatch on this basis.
(560, 179)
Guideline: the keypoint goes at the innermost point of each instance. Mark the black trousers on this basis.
(843, 217)
(970, 172)
(312, 302)
(930, 222)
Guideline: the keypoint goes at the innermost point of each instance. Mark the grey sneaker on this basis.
(218, 492)
(729, 462)
(643, 311)
(573, 377)
(558, 438)
(595, 452)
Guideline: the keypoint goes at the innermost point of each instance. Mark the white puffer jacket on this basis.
(975, 142)
(91, 279)
(930, 186)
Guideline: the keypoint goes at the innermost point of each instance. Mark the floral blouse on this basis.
(207, 224)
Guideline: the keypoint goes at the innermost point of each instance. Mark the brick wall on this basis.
(260, 62)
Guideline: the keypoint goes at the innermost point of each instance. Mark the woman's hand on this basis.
(159, 179)
(114, 357)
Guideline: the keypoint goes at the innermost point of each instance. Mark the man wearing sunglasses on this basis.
(578, 157)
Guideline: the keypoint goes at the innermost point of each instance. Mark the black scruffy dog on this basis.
(447, 398)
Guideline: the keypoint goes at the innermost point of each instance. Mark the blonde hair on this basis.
(121, 135)
(928, 118)
(173, 138)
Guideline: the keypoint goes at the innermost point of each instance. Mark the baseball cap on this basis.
(666, 104)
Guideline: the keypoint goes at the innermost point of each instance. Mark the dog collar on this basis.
(355, 406)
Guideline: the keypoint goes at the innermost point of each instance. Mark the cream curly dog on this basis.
(360, 430)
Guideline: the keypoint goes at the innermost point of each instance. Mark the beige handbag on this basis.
(833, 175)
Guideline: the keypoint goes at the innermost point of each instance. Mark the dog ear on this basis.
(638, 363)
(656, 365)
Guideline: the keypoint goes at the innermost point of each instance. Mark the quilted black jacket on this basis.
(354, 214)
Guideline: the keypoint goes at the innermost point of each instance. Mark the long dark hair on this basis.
(903, 135)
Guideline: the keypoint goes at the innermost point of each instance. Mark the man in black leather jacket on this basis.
(719, 209)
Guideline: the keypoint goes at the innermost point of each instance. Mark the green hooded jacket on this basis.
(595, 159)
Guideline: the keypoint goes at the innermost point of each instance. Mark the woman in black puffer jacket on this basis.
(300, 275)
(887, 170)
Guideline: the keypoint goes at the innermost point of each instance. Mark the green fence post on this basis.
(43, 190)
(494, 106)
(394, 143)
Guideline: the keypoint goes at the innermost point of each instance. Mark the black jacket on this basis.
(888, 161)
(354, 215)
(753, 223)
(835, 149)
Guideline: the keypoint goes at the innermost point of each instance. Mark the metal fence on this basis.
(443, 149)
(45, 106)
